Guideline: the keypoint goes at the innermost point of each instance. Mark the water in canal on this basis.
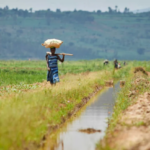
(94, 116)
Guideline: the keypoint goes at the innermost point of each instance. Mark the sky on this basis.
(64, 5)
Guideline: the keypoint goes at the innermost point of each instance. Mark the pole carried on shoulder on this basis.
(49, 53)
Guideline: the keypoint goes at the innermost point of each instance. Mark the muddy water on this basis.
(94, 116)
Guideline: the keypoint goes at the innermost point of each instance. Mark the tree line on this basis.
(44, 13)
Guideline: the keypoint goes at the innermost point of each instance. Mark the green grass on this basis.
(26, 116)
(140, 123)
(123, 100)
(28, 72)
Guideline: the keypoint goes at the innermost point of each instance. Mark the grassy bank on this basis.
(136, 84)
(29, 72)
(26, 116)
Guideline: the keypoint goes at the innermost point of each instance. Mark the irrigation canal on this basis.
(89, 127)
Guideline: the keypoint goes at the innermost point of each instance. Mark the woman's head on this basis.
(53, 49)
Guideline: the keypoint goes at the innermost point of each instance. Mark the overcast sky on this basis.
(89, 5)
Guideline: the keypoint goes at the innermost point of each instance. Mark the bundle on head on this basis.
(52, 43)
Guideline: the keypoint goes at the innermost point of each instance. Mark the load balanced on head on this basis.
(51, 59)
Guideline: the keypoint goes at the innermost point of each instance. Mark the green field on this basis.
(28, 109)
(29, 105)
(28, 72)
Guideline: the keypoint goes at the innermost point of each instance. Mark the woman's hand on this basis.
(61, 60)
(48, 69)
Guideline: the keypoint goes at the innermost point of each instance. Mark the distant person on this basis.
(116, 64)
(52, 66)
(106, 62)
(124, 63)
(119, 65)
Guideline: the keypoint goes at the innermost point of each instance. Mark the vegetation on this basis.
(28, 72)
(26, 116)
(88, 35)
(126, 97)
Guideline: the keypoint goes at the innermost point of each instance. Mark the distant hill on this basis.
(88, 35)
(142, 10)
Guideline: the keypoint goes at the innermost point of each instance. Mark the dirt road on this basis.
(133, 130)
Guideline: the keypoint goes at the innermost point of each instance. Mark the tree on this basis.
(116, 8)
(15, 10)
(6, 8)
(126, 10)
(75, 10)
(110, 9)
(99, 12)
(48, 10)
(58, 10)
(30, 10)
(25, 13)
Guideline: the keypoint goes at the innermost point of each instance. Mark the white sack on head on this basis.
(52, 43)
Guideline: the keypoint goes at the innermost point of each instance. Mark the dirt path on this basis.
(133, 131)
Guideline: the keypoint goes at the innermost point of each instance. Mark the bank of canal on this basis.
(92, 119)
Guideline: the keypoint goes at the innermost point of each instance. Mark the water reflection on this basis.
(95, 116)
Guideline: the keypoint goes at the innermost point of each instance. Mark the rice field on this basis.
(29, 105)
(29, 72)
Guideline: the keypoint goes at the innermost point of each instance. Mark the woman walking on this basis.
(52, 66)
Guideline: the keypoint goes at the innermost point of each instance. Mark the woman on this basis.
(52, 74)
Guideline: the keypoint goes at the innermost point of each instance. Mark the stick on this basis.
(65, 54)
(60, 54)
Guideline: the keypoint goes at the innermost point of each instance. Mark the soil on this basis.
(133, 128)
(122, 83)
(109, 83)
(89, 130)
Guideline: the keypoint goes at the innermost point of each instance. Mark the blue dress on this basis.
(52, 75)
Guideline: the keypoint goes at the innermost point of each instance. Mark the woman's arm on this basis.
(47, 63)
(48, 66)
(61, 60)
